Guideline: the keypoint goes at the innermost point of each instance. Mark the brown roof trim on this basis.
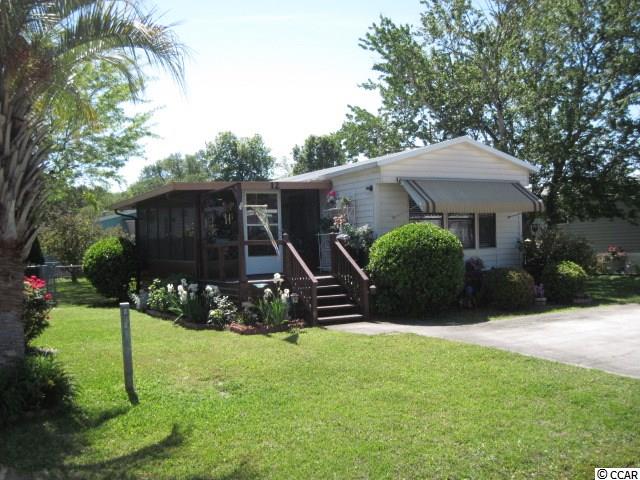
(213, 186)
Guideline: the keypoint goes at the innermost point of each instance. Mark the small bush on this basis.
(552, 246)
(36, 307)
(507, 289)
(416, 267)
(38, 383)
(109, 264)
(564, 281)
(159, 296)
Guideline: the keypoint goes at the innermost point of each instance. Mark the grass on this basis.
(316, 404)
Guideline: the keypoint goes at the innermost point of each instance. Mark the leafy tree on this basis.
(91, 152)
(43, 48)
(238, 159)
(175, 168)
(556, 83)
(317, 153)
(70, 235)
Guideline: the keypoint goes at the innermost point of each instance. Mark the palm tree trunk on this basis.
(11, 326)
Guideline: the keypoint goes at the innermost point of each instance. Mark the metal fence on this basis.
(51, 272)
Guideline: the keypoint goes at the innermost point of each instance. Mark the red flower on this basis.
(48, 296)
(35, 282)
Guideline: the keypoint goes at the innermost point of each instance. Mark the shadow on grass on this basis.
(41, 445)
(81, 293)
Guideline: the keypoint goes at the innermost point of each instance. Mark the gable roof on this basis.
(328, 173)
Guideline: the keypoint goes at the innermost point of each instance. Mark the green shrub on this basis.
(38, 383)
(507, 289)
(564, 281)
(109, 264)
(416, 267)
(552, 246)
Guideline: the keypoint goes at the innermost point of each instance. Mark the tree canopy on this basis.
(318, 152)
(234, 158)
(554, 82)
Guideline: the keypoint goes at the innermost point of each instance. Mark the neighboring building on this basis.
(210, 230)
(604, 232)
(125, 220)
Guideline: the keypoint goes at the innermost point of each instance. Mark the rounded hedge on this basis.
(109, 265)
(507, 288)
(416, 267)
(564, 281)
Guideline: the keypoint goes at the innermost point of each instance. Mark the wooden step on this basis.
(332, 297)
(354, 317)
(343, 306)
(329, 286)
(325, 277)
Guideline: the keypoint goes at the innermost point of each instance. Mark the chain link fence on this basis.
(51, 272)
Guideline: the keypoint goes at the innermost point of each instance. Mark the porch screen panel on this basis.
(177, 243)
(164, 239)
(153, 232)
(189, 228)
(141, 233)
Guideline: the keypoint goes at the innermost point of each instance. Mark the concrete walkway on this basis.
(606, 338)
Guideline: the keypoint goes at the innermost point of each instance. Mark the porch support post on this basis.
(200, 246)
(243, 288)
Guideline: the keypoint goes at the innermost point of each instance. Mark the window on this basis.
(417, 215)
(462, 225)
(487, 230)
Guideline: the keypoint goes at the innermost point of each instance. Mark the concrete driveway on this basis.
(606, 338)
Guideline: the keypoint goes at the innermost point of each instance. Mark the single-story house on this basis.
(213, 231)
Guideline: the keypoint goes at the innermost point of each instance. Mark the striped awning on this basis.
(470, 196)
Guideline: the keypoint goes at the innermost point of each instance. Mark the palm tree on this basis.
(42, 44)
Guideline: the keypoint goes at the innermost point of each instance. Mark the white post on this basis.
(127, 354)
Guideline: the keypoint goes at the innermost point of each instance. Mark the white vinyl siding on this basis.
(462, 161)
(354, 185)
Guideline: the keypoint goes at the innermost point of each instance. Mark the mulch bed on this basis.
(235, 327)
(260, 329)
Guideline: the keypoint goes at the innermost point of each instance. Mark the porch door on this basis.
(262, 258)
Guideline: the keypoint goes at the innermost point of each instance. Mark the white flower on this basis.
(192, 295)
(170, 288)
(212, 290)
(184, 282)
(268, 293)
(193, 287)
(284, 297)
(277, 278)
(286, 292)
(182, 294)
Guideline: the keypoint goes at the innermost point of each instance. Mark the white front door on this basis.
(262, 258)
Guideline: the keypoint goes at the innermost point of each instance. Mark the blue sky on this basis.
(285, 69)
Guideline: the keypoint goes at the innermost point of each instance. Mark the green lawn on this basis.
(318, 404)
